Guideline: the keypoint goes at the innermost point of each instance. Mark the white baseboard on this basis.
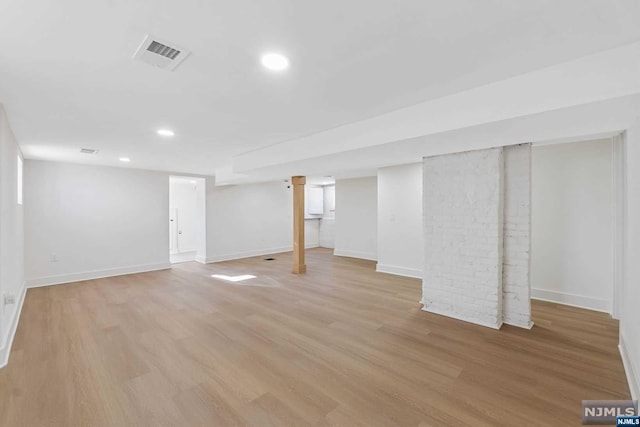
(573, 300)
(453, 316)
(523, 325)
(5, 350)
(187, 256)
(248, 254)
(630, 369)
(399, 271)
(97, 274)
(355, 254)
(255, 252)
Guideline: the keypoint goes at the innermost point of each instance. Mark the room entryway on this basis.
(186, 219)
(576, 207)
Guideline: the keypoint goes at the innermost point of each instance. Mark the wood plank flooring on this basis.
(339, 346)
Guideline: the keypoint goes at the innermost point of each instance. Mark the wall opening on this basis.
(320, 211)
(575, 220)
(187, 221)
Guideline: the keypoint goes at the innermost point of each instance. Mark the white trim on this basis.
(5, 350)
(618, 221)
(576, 138)
(524, 325)
(453, 316)
(254, 253)
(399, 271)
(580, 301)
(186, 256)
(630, 369)
(201, 259)
(97, 274)
(355, 254)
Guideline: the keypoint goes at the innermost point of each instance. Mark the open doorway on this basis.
(576, 226)
(319, 211)
(187, 223)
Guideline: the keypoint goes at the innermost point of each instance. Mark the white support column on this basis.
(463, 225)
(516, 267)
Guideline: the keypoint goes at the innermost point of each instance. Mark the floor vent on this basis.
(159, 53)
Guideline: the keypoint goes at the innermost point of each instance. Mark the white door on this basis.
(173, 230)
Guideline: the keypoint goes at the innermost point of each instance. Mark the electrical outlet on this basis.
(9, 299)
(54, 257)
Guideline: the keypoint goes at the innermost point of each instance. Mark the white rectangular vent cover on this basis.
(88, 151)
(159, 53)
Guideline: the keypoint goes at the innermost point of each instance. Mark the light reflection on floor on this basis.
(248, 280)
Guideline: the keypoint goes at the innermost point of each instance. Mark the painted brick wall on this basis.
(463, 225)
(516, 307)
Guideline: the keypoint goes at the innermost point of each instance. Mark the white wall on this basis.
(572, 216)
(201, 220)
(630, 315)
(327, 232)
(400, 231)
(248, 220)
(11, 238)
(94, 221)
(312, 220)
(356, 218)
(311, 233)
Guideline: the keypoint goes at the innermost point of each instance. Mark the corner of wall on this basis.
(399, 271)
(5, 350)
(370, 256)
(516, 257)
(12, 233)
(630, 369)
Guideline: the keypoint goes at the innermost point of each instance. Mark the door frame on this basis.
(619, 219)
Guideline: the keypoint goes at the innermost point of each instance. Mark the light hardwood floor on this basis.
(341, 345)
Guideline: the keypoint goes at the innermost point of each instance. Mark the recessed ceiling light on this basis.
(275, 61)
(165, 132)
(125, 159)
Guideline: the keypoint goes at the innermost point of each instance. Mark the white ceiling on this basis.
(67, 79)
(583, 123)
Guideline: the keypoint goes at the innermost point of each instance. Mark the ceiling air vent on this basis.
(159, 53)
(88, 151)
